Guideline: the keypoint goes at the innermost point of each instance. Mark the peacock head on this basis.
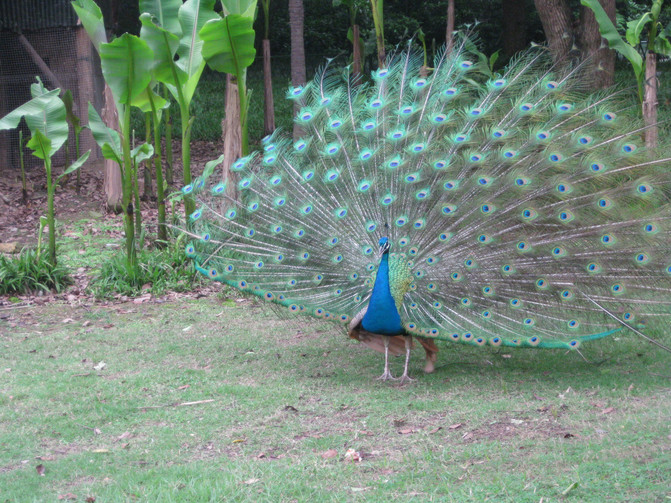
(384, 245)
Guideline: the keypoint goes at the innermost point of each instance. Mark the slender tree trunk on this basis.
(356, 53)
(298, 73)
(112, 184)
(650, 100)
(449, 34)
(557, 23)
(232, 136)
(601, 58)
(378, 21)
(514, 17)
(269, 110)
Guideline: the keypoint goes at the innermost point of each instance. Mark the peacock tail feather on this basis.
(520, 210)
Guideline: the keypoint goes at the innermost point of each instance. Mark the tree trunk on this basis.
(232, 136)
(356, 53)
(298, 73)
(449, 35)
(112, 183)
(269, 110)
(557, 23)
(650, 100)
(594, 48)
(514, 16)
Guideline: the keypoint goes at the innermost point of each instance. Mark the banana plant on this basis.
(171, 28)
(657, 41)
(124, 62)
(228, 47)
(45, 116)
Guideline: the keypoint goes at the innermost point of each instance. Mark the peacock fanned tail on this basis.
(520, 210)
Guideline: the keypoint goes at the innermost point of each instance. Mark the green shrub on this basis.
(157, 271)
(31, 272)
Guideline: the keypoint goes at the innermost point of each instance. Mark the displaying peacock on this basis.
(512, 210)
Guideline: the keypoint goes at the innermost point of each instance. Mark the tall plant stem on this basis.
(79, 183)
(51, 221)
(127, 175)
(168, 141)
(162, 231)
(138, 212)
(148, 192)
(187, 122)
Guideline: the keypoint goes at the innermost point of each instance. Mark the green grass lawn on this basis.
(211, 400)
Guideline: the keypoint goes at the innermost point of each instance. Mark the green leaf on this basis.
(68, 101)
(165, 13)
(44, 113)
(124, 63)
(211, 165)
(142, 152)
(164, 45)
(229, 43)
(635, 27)
(40, 145)
(245, 8)
(192, 15)
(92, 19)
(75, 165)
(662, 46)
(38, 89)
(106, 138)
(610, 33)
(493, 59)
(142, 101)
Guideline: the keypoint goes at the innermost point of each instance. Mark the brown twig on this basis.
(176, 404)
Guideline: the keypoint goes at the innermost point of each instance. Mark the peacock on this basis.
(451, 204)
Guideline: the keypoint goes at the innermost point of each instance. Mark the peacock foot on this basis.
(405, 378)
(386, 376)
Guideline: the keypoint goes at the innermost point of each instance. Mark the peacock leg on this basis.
(408, 346)
(386, 375)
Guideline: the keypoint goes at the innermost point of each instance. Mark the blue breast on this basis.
(382, 316)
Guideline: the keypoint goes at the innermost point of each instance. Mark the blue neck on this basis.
(382, 316)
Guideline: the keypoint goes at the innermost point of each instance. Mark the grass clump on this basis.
(156, 272)
(31, 271)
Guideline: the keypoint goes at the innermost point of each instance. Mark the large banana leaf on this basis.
(193, 15)
(164, 45)
(106, 138)
(165, 13)
(229, 43)
(245, 8)
(144, 100)
(615, 41)
(45, 114)
(92, 19)
(125, 62)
